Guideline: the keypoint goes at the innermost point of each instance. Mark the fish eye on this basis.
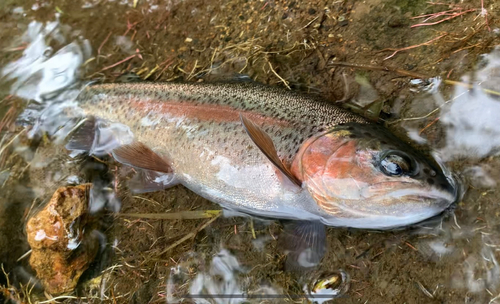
(395, 163)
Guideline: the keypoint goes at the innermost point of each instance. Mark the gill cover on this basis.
(361, 171)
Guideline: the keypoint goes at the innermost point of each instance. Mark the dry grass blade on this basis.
(190, 235)
(11, 141)
(183, 215)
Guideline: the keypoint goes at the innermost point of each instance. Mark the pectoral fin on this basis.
(266, 145)
(140, 156)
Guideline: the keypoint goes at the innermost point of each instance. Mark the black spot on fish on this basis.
(426, 171)
(430, 181)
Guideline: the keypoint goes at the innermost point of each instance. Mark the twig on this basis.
(444, 19)
(183, 215)
(151, 72)
(380, 68)
(189, 235)
(424, 290)
(470, 86)
(6, 275)
(409, 74)
(484, 12)
(118, 63)
(67, 297)
(168, 63)
(277, 75)
(24, 255)
(426, 127)
(435, 15)
(11, 141)
(411, 47)
(309, 23)
(252, 228)
(192, 71)
(414, 118)
(102, 44)
(147, 200)
(411, 246)
(8, 116)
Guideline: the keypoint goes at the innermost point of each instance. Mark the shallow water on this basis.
(48, 46)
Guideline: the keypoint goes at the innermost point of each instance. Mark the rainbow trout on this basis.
(263, 151)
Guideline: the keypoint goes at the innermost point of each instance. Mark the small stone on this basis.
(62, 249)
(395, 22)
(249, 21)
(188, 40)
(311, 11)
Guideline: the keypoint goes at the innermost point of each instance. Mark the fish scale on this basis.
(196, 128)
(305, 114)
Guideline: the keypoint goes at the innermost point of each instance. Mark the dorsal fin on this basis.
(266, 145)
(140, 156)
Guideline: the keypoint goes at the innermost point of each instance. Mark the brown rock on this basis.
(61, 248)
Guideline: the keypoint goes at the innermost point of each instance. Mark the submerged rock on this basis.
(327, 286)
(62, 249)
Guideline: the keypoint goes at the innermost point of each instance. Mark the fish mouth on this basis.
(419, 194)
(414, 203)
(414, 191)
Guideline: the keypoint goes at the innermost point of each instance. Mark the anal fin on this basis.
(140, 156)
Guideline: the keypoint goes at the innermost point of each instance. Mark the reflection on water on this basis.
(219, 280)
(471, 248)
(471, 118)
(44, 72)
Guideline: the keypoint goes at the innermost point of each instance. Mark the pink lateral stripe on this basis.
(204, 112)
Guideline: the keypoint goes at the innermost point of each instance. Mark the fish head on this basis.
(368, 178)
